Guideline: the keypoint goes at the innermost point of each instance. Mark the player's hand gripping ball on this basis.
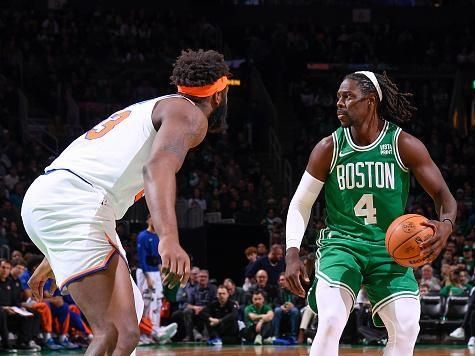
(403, 238)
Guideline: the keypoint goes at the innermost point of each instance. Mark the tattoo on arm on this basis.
(189, 134)
(176, 147)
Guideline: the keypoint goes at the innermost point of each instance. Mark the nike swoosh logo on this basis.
(341, 154)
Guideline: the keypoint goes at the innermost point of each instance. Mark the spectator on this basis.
(455, 287)
(258, 318)
(468, 257)
(197, 200)
(270, 220)
(307, 317)
(424, 289)
(251, 255)
(247, 214)
(149, 282)
(261, 250)
(56, 311)
(269, 291)
(183, 298)
(21, 325)
(236, 294)
(287, 309)
(273, 264)
(203, 294)
(221, 319)
(16, 255)
(183, 294)
(428, 278)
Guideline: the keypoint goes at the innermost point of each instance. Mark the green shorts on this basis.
(350, 263)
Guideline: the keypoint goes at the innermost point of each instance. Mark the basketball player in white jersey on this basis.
(70, 211)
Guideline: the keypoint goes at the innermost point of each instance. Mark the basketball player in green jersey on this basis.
(365, 165)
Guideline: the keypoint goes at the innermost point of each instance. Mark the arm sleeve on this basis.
(300, 208)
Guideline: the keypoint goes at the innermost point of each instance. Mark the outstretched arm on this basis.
(415, 156)
(181, 129)
(299, 212)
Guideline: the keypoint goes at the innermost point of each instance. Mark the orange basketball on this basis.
(403, 238)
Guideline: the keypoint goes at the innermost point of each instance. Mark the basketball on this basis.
(403, 238)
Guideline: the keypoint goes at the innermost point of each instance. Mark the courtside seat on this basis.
(432, 311)
(455, 310)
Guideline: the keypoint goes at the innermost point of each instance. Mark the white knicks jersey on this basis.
(111, 156)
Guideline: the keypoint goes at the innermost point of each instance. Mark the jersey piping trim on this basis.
(177, 96)
(331, 282)
(321, 236)
(335, 152)
(88, 271)
(396, 150)
(370, 146)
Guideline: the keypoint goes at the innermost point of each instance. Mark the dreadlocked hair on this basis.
(198, 68)
(395, 105)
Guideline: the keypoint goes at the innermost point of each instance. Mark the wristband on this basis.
(451, 223)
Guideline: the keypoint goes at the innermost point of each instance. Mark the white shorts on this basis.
(68, 220)
(157, 282)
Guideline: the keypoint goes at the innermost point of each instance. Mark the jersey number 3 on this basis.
(365, 208)
(107, 125)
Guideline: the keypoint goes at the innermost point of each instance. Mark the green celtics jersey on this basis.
(367, 186)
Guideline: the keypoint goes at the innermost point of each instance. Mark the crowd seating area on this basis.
(57, 59)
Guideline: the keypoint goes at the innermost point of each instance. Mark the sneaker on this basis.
(458, 333)
(292, 340)
(26, 347)
(145, 340)
(33, 345)
(471, 342)
(268, 340)
(164, 334)
(197, 335)
(8, 350)
(280, 342)
(68, 345)
(258, 340)
(51, 345)
(215, 342)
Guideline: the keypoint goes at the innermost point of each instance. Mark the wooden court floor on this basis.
(290, 351)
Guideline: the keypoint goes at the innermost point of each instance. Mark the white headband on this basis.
(373, 79)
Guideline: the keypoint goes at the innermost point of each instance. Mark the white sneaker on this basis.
(471, 342)
(164, 334)
(34, 345)
(458, 333)
(145, 340)
(269, 340)
(258, 340)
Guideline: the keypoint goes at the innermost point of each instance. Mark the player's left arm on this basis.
(415, 156)
(182, 128)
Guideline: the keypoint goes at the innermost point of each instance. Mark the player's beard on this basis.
(217, 119)
(348, 120)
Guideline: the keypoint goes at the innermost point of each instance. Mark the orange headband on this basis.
(206, 90)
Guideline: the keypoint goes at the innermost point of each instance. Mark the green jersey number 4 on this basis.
(365, 208)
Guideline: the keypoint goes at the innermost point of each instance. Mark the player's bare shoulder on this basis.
(320, 158)
(184, 116)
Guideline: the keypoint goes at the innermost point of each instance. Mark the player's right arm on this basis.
(182, 127)
(300, 207)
